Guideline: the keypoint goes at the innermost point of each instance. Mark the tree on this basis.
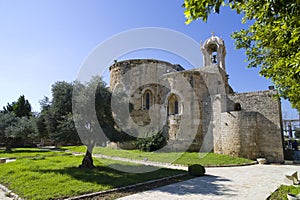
(20, 108)
(58, 114)
(8, 108)
(13, 127)
(23, 127)
(17, 122)
(91, 110)
(6, 120)
(271, 41)
(62, 98)
(42, 120)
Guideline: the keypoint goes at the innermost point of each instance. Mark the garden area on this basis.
(42, 174)
(179, 158)
(52, 174)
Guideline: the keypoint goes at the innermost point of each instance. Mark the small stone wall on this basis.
(255, 130)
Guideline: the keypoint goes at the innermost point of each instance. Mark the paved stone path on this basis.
(3, 197)
(245, 182)
(3, 190)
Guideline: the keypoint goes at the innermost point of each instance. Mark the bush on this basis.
(153, 143)
(196, 170)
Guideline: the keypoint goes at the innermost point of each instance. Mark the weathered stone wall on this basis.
(255, 130)
(139, 70)
(238, 134)
(137, 76)
(211, 116)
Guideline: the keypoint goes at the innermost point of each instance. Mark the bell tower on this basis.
(214, 52)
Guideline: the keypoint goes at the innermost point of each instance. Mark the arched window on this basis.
(173, 105)
(176, 108)
(147, 100)
(237, 107)
(214, 59)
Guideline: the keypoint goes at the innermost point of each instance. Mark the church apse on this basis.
(199, 107)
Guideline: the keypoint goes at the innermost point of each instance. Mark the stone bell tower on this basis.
(214, 52)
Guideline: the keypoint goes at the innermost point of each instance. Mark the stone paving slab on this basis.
(3, 197)
(245, 183)
(2, 193)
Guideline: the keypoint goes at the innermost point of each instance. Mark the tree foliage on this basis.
(17, 122)
(58, 114)
(271, 41)
(21, 128)
(42, 120)
(13, 128)
(91, 101)
(21, 108)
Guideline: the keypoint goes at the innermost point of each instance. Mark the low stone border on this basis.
(9, 193)
(166, 165)
(233, 165)
(94, 194)
(143, 162)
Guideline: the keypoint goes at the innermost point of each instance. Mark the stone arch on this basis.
(237, 107)
(214, 52)
(147, 98)
(174, 104)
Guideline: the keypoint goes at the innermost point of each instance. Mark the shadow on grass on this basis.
(104, 175)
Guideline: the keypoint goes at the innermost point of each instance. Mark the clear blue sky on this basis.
(44, 41)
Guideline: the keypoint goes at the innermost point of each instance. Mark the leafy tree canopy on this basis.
(13, 127)
(21, 108)
(56, 117)
(91, 101)
(271, 41)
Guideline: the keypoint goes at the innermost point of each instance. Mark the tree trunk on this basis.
(8, 145)
(87, 161)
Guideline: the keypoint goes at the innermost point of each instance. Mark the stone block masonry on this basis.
(255, 130)
(199, 107)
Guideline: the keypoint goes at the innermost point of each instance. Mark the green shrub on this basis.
(196, 170)
(153, 143)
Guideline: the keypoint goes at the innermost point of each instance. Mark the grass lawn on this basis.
(29, 152)
(283, 190)
(206, 159)
(59, 176)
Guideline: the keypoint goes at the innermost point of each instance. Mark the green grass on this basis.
(210, 159)
(80, 149)
(60, 177)
(186, 158)
(29, 152)
(283, 190)
(47, 175)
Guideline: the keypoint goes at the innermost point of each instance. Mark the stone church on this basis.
(198, 107)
